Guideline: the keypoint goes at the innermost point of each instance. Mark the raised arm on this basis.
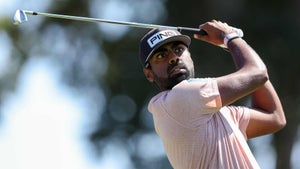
(251, 72)
(266, 114)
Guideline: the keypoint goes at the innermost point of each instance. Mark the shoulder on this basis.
(192, 95)
(199, 82)
(188, 88)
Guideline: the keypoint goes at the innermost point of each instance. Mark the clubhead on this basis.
(20, 17)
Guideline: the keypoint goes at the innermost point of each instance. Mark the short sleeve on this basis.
(189, 102)
(241, 117)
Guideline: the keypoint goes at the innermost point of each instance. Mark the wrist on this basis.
(229, 37)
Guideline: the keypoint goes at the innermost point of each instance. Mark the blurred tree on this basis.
(271, 28)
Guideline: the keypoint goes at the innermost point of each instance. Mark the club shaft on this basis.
(132, 24)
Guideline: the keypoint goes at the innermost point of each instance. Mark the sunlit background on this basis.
(63, 103)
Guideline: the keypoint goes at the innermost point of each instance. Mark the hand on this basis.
(216, 32)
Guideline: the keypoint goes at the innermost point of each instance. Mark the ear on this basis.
(149, 75)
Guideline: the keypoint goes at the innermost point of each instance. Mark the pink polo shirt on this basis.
(197, 132)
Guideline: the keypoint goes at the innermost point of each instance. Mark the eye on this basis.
(161, 55)
(179, 50)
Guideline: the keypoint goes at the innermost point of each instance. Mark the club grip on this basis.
(188, 31)
(185, 30)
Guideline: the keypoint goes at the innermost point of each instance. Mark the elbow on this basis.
(263, 73)
(279, 126)
(260, 75)
(264, 78)
(280, 123)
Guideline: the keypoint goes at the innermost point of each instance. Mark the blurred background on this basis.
(73, 95)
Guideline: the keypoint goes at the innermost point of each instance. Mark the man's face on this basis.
(169, 65)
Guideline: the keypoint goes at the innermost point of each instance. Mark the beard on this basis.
(173, 78)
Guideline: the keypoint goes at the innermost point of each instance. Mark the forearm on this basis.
(245, 57)
(251, 73)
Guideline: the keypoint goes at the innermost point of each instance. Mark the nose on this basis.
(174, 59)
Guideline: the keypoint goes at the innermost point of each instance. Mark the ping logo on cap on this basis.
(160, 36)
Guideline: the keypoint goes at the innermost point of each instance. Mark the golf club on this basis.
(21, 17)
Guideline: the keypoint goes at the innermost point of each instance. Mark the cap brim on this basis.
(180, 38)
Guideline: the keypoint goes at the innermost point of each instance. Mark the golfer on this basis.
(199, 127)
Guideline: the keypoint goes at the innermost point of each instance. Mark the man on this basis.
(192, 115)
